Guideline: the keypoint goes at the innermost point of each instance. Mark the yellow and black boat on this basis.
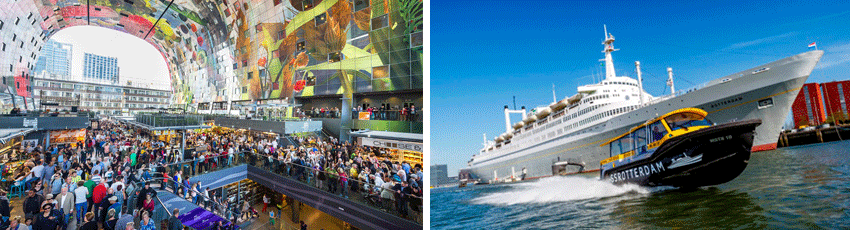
(681, 149)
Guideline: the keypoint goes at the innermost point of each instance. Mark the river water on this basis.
(804, 187)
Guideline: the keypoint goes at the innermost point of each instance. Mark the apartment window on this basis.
(416, 39)
(17, 20)
(380, 22)
(14, 37)
(334, 57)
(281, 34)
(4, 46)
(321, 19)
(244, 89)
(360, 4)
(301, 46)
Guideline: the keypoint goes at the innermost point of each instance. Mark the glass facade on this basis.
(100, 68)
(55, 58)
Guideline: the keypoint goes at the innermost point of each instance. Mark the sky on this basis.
(486, 52)
(138, 61)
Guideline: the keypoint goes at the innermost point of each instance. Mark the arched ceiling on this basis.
(241, 49)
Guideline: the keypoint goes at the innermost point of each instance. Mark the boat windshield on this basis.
(685, 120)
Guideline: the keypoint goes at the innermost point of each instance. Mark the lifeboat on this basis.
(518, 125)
(499, 139)
(508, 136)
(558, 105)
(543, 113)
(574, 99)
(529, 119)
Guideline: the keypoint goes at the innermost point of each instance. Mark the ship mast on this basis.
(640, 82)
(609, 47)
(670, 81)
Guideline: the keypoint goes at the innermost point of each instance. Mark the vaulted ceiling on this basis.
(240, 49)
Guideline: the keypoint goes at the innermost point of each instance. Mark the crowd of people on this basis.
(86, 185)
(343, 169)
(108, 179)
(387, 112)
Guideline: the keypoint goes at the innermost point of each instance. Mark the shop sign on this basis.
(31, 122)
(402, 145)
(363, 115)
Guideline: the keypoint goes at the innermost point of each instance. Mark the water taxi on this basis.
(682, 149)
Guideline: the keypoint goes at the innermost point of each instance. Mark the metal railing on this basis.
(160, 213)
(391, 115)
(356, 191)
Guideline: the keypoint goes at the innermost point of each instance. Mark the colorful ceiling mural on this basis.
(242, 49)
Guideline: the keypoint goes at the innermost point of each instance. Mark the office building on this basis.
(55, 58)
(100, 69)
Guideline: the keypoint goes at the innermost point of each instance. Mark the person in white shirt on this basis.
(80, 196)
(38, 170)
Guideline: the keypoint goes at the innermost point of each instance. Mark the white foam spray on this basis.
(557, 189)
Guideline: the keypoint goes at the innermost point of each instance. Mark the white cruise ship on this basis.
(564, 137)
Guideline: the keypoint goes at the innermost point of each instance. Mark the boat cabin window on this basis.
(615, 148)
(626, 143)
(640, 140)
(657, 131)
(685, 120)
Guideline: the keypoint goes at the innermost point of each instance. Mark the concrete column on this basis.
(295, 207)
(345, 117)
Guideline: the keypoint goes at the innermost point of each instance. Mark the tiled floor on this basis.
(314, 219)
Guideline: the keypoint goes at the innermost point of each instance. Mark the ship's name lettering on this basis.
(726, 102)
(638, 172)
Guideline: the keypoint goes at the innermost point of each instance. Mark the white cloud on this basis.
(760, 41)
(835, 56)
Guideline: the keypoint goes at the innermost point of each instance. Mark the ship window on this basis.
(657, 130)
(640, 140)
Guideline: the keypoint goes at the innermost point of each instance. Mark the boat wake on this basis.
(558, 189)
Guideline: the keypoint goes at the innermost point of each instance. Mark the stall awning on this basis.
(8, 134)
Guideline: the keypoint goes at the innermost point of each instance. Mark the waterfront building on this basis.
(808, 107)
(836, 94)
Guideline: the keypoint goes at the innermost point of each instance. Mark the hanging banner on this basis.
(403, 145)
(67, 136)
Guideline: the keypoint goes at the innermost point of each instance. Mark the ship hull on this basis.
(745, 95)
(705, 157)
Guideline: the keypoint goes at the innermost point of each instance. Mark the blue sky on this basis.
(486, 52)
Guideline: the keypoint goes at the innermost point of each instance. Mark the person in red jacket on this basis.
(99, 192)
